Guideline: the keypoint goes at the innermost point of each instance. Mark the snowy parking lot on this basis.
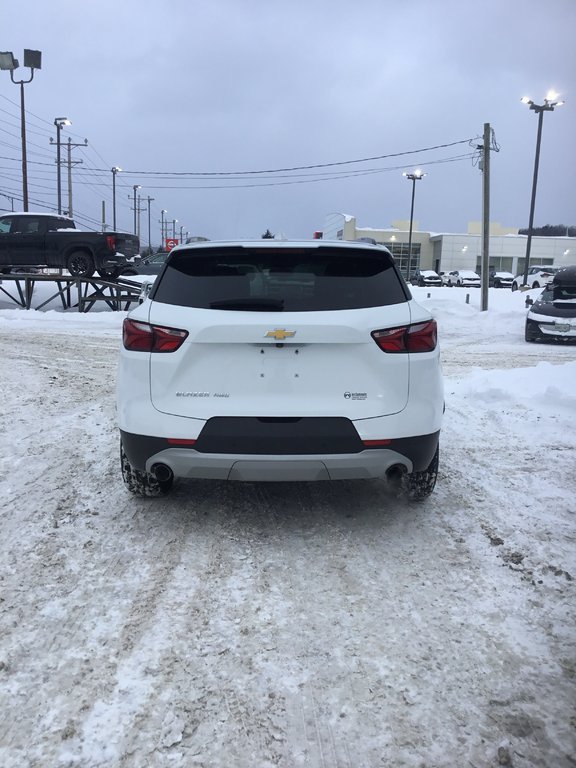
(314, 625)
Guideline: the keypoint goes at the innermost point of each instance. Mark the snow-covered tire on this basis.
(141, 483)
(110, 274)
(417, 486)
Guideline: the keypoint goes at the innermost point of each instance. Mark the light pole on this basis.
(550, 102)
(59, 122)
(136, 206)
(32, 60)
(174, 222)
(162, 229)
(413, 177)
(115, 170)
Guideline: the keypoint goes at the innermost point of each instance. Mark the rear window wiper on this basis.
(250, 303)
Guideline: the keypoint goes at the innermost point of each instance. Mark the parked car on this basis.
(424, 277)
(552, 317)
(149, 265)
(538, 276)
(45, 240)
(462, 278)
(275, 360)
(498, 279)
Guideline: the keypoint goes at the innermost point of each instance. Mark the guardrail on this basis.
(81, 293)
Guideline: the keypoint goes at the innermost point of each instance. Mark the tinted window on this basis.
(28, 225)
(280, 279)
(54, 223)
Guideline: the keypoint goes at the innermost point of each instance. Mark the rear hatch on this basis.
(279, 331)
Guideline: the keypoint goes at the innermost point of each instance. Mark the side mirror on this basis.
(145, 290)
(529, 302)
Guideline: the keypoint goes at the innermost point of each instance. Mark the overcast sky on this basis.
(227, 86)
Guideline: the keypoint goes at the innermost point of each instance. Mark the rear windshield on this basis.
(280, 279)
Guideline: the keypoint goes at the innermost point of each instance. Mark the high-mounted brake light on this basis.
(421, 337)
(143, 337)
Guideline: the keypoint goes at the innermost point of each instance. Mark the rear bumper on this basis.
(115, 260)
(409, 453)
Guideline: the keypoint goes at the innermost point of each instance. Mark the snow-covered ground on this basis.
(320, 625)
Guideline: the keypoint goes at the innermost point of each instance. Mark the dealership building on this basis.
(444, 251)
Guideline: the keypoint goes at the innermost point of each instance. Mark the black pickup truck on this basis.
(32, 240)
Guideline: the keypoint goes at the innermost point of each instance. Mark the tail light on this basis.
(143, 337)
(111, 243)
(421, 337)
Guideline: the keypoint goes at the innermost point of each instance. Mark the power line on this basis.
(299, 167)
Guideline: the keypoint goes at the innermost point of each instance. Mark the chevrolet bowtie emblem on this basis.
(280, 334)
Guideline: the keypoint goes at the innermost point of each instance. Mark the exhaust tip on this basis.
(395, 473)
(162, 472)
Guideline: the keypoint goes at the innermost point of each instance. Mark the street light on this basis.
(413, 177)
(59, 122)
(550, 102)
(115, 170)
(32, 60)
(174, 222)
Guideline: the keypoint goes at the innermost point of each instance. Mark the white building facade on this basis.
(444, 252)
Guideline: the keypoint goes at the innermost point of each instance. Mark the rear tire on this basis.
(142, 483)
(80, 264)
(417, 486)
(514, 286)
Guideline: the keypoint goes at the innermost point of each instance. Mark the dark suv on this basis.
(552, 317)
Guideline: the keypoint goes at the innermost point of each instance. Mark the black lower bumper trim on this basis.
(278, 436)
(274, 437)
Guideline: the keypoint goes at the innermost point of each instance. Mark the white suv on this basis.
(276, 360)
(538, 276)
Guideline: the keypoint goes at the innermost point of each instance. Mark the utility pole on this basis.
(8, 197)
(135, 188)
(149, 200)
(485, 216)
(70, 145)
(163, 229)
(59, 122)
